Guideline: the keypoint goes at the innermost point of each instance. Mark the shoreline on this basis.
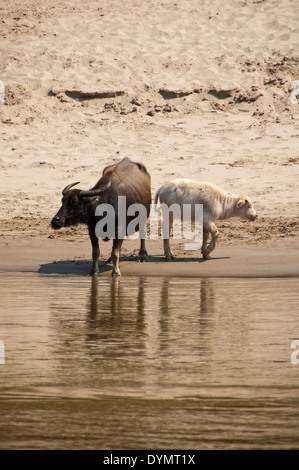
(277, 258)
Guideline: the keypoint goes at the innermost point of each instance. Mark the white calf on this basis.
(217, 205)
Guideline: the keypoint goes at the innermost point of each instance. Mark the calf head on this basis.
(245, 208)
(75, 203)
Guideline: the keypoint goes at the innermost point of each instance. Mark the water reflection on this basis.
(132, 336)
(172, 337)
(152, 311)
(117, 302)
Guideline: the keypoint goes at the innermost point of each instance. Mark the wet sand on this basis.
(277, 259)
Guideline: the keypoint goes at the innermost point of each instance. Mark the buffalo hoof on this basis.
(94, 271)
(116, 274)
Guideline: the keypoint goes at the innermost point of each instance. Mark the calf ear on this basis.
(240, 203)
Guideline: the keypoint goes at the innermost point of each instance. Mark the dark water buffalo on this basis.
(125, 178)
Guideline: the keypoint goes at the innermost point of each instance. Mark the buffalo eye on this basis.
(74, 201)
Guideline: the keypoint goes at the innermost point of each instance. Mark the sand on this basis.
(201, 90)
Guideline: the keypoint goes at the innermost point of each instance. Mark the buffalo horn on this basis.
(95, 192)
(68, 187)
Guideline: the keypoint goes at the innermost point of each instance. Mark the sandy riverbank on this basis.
(191, 90)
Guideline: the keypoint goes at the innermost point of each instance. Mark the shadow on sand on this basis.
(82, 267)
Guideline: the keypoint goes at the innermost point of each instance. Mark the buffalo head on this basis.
(75, 205)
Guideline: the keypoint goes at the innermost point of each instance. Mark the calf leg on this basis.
(205, 237)
(166, 237)
(206, 250)
(115, 256)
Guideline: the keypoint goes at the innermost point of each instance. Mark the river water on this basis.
(148, 363)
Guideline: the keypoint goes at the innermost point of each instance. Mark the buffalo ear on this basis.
(74, 201)
(90, 198)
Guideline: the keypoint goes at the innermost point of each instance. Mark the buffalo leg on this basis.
(142, 252)
(115, 256)
(108, 261)
(95, 251)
